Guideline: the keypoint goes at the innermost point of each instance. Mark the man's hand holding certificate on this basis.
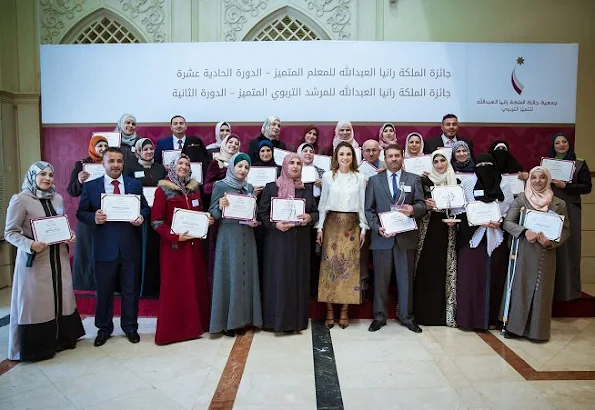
(120, 208)
(194, 224)
(236, 206)
(395, 222)
(51, 230)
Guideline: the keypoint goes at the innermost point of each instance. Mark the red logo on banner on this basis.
(516, 84)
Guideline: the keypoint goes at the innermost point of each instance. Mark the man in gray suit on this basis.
(393, 253)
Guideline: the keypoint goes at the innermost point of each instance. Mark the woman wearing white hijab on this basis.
(222, 130)
(344, 132)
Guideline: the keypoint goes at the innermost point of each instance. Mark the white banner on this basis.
(309, 81)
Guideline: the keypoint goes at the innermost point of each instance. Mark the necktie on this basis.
(180, 144)
(116, 185)
(395, 189)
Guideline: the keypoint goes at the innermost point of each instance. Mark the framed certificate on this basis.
(560, 169)
(95, 171)
(287, 210)
(309, 174)
(462, 176)
(515, 184)
(149, 193)
(196, 168)
(114, 139)
(479, 213)
(550, 223)
(51, 230)
(448, 196)
(418, 165)
(322, 161)
(395, 222)
(367, 170)
(169, 155)
(120, 208)
(194, 222)
(242, 207)
(260, 176)
(279, 155)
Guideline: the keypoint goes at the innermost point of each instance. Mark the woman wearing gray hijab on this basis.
(270, 130)
(43, 315)
(126, 126)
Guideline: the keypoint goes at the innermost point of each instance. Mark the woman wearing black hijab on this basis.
(483, 252)
(504, 161)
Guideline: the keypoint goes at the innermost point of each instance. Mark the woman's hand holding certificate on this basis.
(287, 210)
(395, 222)
(448, 196)
(481, 213)
(120, 208)
(260, 176)
(193, 224)
(51, 230)
(418, 165)
(242, 207)
(548, 223)
(560, 169)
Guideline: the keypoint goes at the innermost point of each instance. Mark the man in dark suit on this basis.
(450, 129)
(116, 247)
(191, 146)
(393, 189)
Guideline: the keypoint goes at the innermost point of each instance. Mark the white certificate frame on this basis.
(442, 193)
(168, 155)
(133, 201)
(388, 219)
(309, 174)
(233, 198)
(367, 170)
(114, 138)
(418, 165)
(536, 220)
(149, 193)
(322, 161)
(560, 169)
(479, 213)
(38, 226)
(280, 207)
(279, 155)
(196, 168)
(260, 175)
(95, 171)
(516, 185)
(181, 215)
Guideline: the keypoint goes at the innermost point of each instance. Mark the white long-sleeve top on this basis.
(345, 193)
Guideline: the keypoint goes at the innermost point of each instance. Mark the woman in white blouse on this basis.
(341, 232)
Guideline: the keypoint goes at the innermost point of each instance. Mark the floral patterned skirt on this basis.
(340, 265)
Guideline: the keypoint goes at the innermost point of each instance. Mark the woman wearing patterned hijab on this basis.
(43, 317)
(184, 301)
(286, 258)
(483, 251)
(83, 277)
(461, 159)
(126, 126)
(270, 130)
(236, 288)
(532, 288)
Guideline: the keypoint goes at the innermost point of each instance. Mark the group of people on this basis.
(262, 274)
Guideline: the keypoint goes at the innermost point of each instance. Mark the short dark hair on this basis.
(447, 116)
(115, 150)
(394, 146)
(176, 116)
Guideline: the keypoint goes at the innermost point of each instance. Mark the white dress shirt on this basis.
(389, 176)
(109, 188)
(176, 139)
(345, 193)
(447, 141)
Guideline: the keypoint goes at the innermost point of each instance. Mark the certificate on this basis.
(395, 222)
(322, 161)
(95, 171)
(367, 170)
(51, 230)
(358, 154)
(196, 168)
(447, 152)
(120, 208)
(287, 210)
(515, 184)
(241, 207)
(479, 213)
(550, 223)
(260, 176)
(114, 139)
(462, 176)
(279, 155)
(448, 196)
(309, 174)
(560, 169)
(149, 193)
(418, 165)
(170, 155)
(194, 222)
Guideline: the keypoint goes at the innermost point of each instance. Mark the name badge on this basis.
(478, 192)
(407, 188)
(139, 174)
(195, 202)
(133, 149)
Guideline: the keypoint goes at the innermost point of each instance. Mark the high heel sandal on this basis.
(344, 318)
(330, 318)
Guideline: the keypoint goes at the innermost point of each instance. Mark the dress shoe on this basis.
(376, 325)
(101, 339)
(229, 333)
(412, 326)
(133, 337)
(509, 335)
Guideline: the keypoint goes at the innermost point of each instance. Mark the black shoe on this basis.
(376, 325)
(229, 333)
(412, 326)
(240, 331)
(509, 335)
(133, 337)
(101, 339)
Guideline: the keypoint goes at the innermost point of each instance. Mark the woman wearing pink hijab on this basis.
(286, 258)
(532, 288)
(344, 132)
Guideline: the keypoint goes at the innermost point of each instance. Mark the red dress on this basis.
(184, 302)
